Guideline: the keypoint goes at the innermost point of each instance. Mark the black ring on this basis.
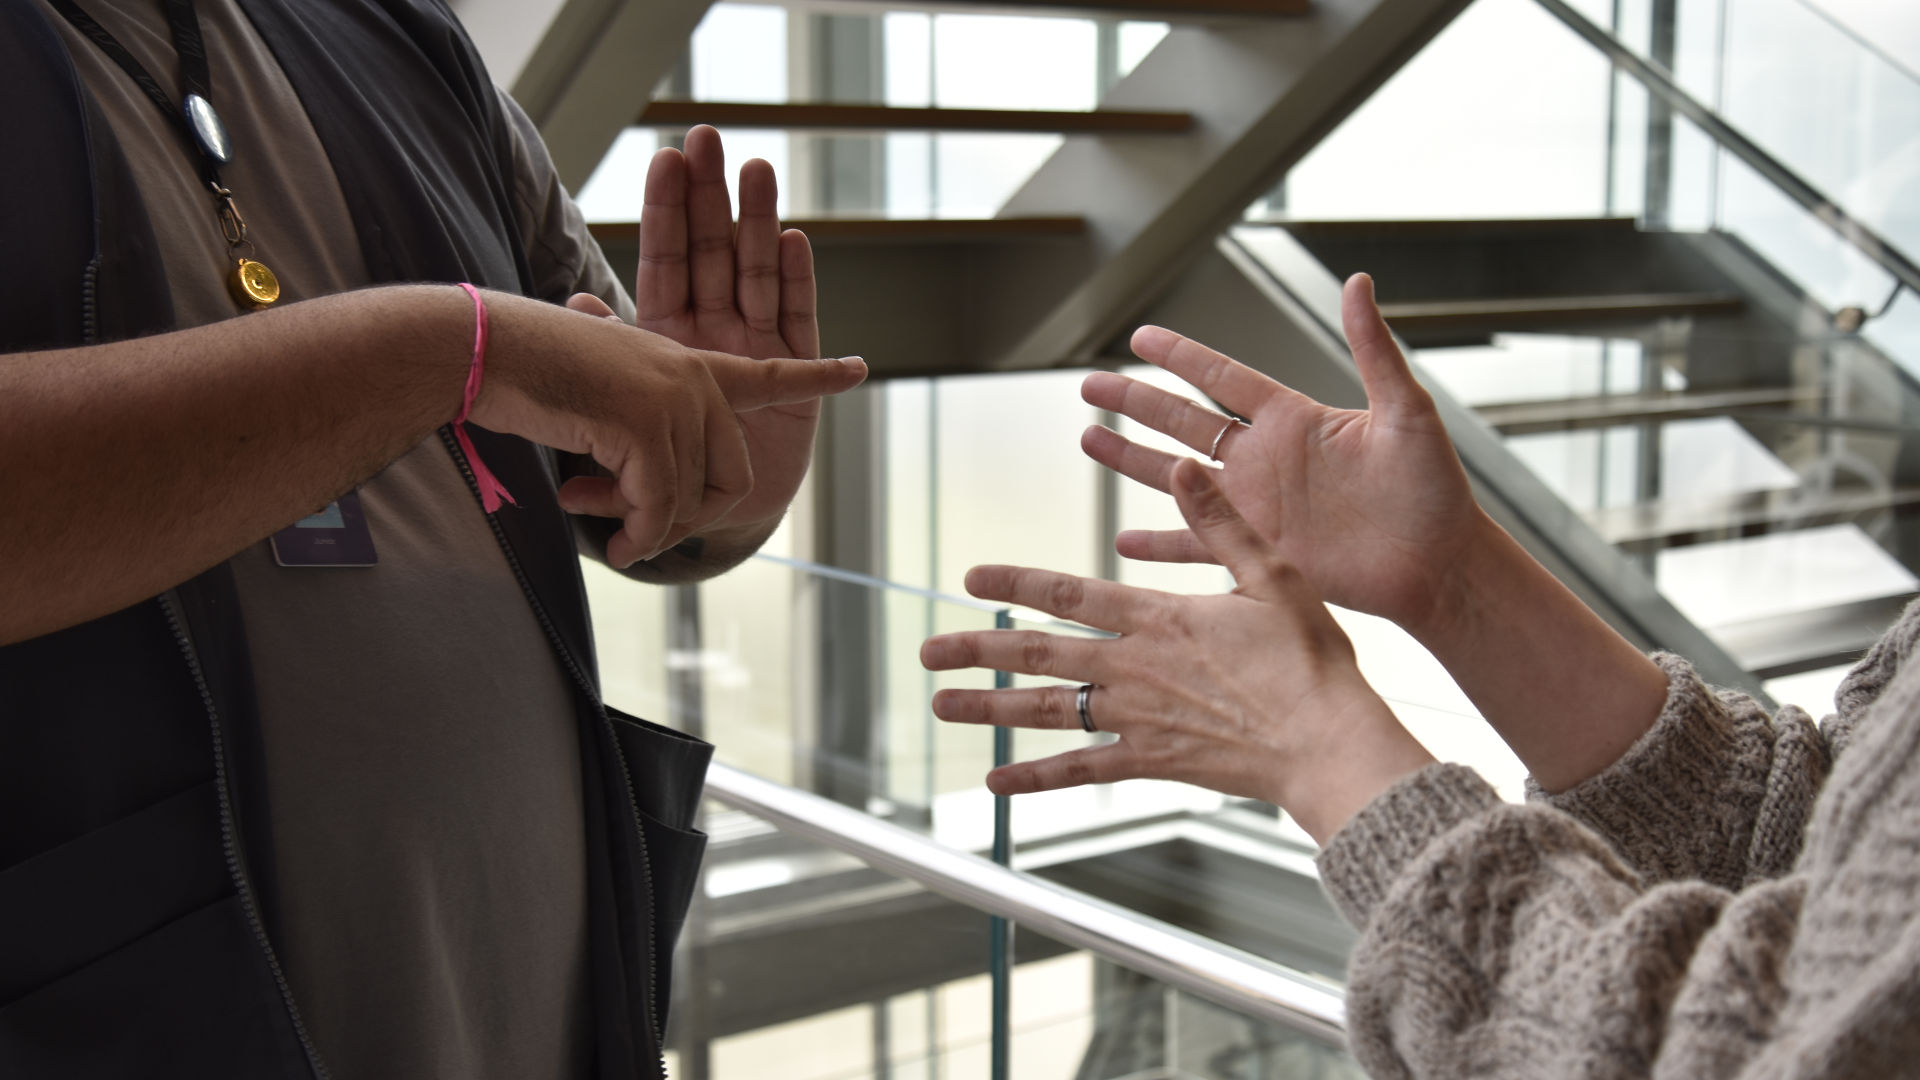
(1080, 703)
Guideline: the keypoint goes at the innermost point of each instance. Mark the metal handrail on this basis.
(1238, 980)
(1661, 85)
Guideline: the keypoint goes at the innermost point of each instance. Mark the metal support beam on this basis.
(506, 31)
(1658, 207)
(844, 62)
(594, 70)
(672, 113)
(1262, 95)
(848, 740)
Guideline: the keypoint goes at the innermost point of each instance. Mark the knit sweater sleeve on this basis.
(1718, 790)
(1640, 923)
(1511, 941)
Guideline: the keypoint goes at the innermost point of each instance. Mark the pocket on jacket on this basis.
(669, 771)
(669, 768)
(69, 906)
(191, 998)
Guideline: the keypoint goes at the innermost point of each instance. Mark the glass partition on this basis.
(1503, 115)
(1827, 89)
(1814, 83)
(804, 675)
(809, 677)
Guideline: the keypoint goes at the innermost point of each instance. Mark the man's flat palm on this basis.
(747, 291)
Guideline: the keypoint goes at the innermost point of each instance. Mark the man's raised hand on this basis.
(747, 290)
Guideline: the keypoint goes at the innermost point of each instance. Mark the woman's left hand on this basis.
(1252, 693)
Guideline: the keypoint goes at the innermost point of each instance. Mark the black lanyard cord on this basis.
(195, 75)
(250, 282)
(184, 21)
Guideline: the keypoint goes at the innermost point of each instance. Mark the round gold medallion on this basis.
(253, 284)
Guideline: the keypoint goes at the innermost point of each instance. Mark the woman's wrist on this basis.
(1363, 750)
(1474, 584)
(1564, 690)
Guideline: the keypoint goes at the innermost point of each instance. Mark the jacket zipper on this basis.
(90, 303)
(229, 841)
(613, 740)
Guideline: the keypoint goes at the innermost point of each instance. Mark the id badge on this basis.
(335, 536)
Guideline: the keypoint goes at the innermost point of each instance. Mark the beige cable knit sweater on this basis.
(1735, 897)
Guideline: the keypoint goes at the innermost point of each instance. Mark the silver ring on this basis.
(1214, 450)
(1080, 703)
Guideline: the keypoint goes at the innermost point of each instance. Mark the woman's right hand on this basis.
(1374, 510)
(1372, 506)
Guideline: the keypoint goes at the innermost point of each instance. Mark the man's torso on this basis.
(421, 759)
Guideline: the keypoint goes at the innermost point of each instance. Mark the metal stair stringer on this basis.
(1229, 299)
(1262, 94)
(598, 61)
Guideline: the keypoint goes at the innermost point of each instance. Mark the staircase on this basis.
(1658, 339)
(1666, 385)
(1174, 151)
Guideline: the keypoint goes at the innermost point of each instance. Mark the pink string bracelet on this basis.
(491, 489)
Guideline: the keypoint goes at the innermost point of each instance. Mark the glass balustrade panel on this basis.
(802, 678)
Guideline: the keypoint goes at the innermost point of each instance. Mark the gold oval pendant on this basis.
(253, 284)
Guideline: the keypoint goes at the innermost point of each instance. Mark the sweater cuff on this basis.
(1677, 763)
(1359, 865)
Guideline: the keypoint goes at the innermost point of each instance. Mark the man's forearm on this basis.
(127, 468)
(1565, 691)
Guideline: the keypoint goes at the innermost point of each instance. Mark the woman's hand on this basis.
(1374, 510)
(1372, 507)
(1252, 693)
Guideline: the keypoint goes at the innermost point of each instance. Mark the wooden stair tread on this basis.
(1666, 523)
(1539, 310)
(1362, 229)
(1566, 414)
(678, 113)
(1169, 10)
(1794, 642)
(904, 230)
